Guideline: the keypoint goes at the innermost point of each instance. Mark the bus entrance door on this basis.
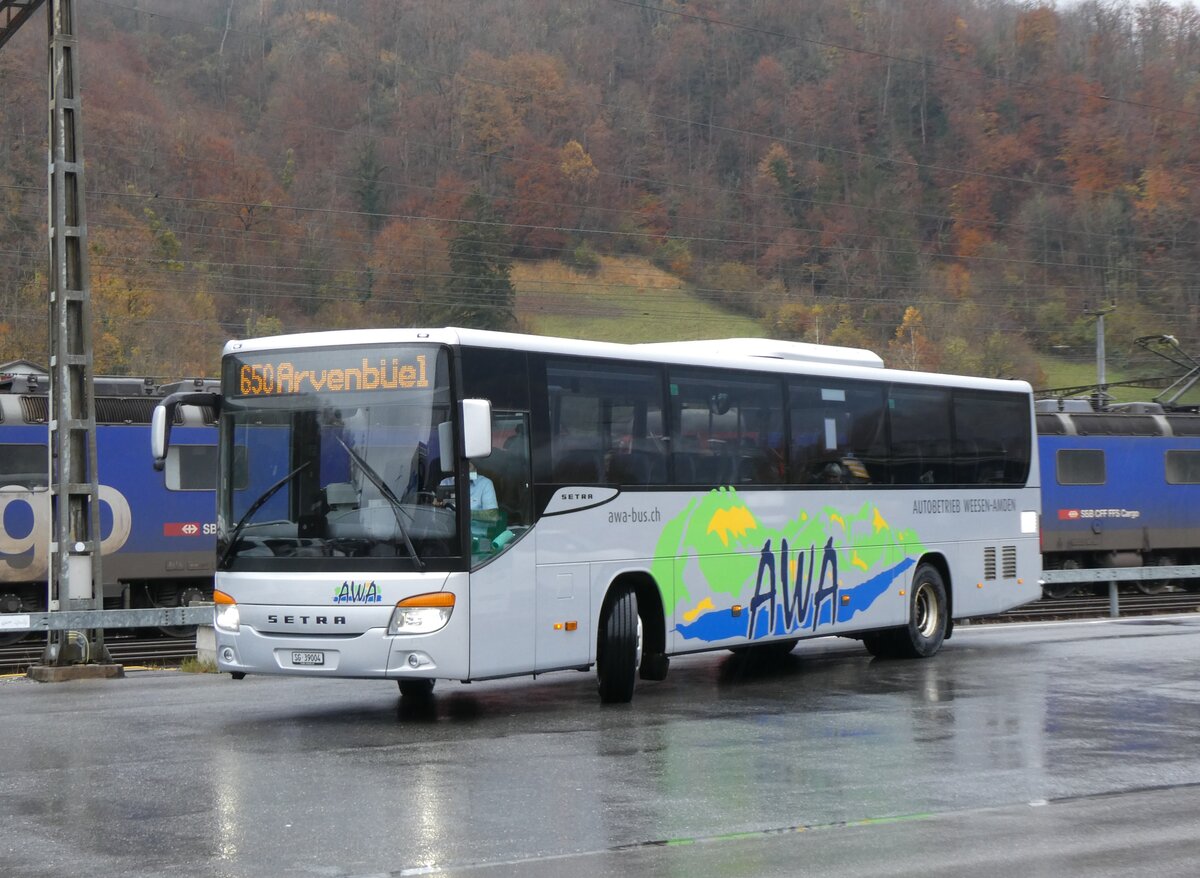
(502, 596)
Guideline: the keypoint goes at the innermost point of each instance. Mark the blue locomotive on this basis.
(157, 529)
(1120, 487)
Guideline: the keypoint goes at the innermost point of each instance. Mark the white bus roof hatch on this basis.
(771, 349)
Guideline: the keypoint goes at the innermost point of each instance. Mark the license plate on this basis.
(308, 658)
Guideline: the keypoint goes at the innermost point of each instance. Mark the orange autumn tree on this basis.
(910, 348)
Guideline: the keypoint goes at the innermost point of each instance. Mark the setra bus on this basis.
(464, 504)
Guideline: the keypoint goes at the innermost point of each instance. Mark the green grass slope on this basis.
(627, 300)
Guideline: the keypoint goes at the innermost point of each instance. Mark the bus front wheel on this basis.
(928, 621)
(617, 648)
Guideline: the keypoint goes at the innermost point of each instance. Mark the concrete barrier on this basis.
(206, 644)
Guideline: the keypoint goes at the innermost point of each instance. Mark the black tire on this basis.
(927, 616)
(616, 648)
(413, 688)
(928, 621)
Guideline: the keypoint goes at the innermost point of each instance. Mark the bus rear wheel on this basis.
(617, 648)
(928, 619)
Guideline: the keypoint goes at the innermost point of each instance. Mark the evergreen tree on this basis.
(480, 291)
(368, 187)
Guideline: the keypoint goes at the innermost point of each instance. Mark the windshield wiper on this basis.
(389, 495)
(254, 507)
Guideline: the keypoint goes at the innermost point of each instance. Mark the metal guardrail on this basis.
(1114, 575)
(82, 620)
(1121, 574)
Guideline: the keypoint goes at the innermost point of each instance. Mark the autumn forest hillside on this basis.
(956, 184)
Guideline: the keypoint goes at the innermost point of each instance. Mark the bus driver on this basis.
(485, 509)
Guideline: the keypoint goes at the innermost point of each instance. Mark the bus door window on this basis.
(726, 430)
(508, 467)
(837, 435)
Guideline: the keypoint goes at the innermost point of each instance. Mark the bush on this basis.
(584, 259)
(674, 256)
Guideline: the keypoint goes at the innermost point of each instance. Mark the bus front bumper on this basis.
(371, 654)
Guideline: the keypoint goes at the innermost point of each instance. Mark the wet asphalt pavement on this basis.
(1070, 749)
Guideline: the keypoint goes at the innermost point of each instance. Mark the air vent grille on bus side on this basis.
(989, 563)
(1008, 562)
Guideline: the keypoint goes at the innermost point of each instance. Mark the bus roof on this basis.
(736, 353)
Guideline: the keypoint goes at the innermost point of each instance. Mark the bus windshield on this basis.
(343, 460)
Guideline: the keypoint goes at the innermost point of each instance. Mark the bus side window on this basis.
(605, 423)
(838, 434)
(726, 429)
(921, 449)
(991, 438)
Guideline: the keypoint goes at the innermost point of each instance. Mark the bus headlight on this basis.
(226, 615)
(422, 614)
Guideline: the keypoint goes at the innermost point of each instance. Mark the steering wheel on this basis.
(433, 500)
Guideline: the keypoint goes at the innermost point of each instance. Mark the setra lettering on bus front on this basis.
(304, 620)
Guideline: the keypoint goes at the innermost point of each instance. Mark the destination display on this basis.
(290, 373)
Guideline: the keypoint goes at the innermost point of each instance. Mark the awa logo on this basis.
(357, 593)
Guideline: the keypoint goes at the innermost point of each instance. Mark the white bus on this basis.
(626, 503)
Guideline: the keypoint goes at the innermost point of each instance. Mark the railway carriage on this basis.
(1120, 488)
(157, 529)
